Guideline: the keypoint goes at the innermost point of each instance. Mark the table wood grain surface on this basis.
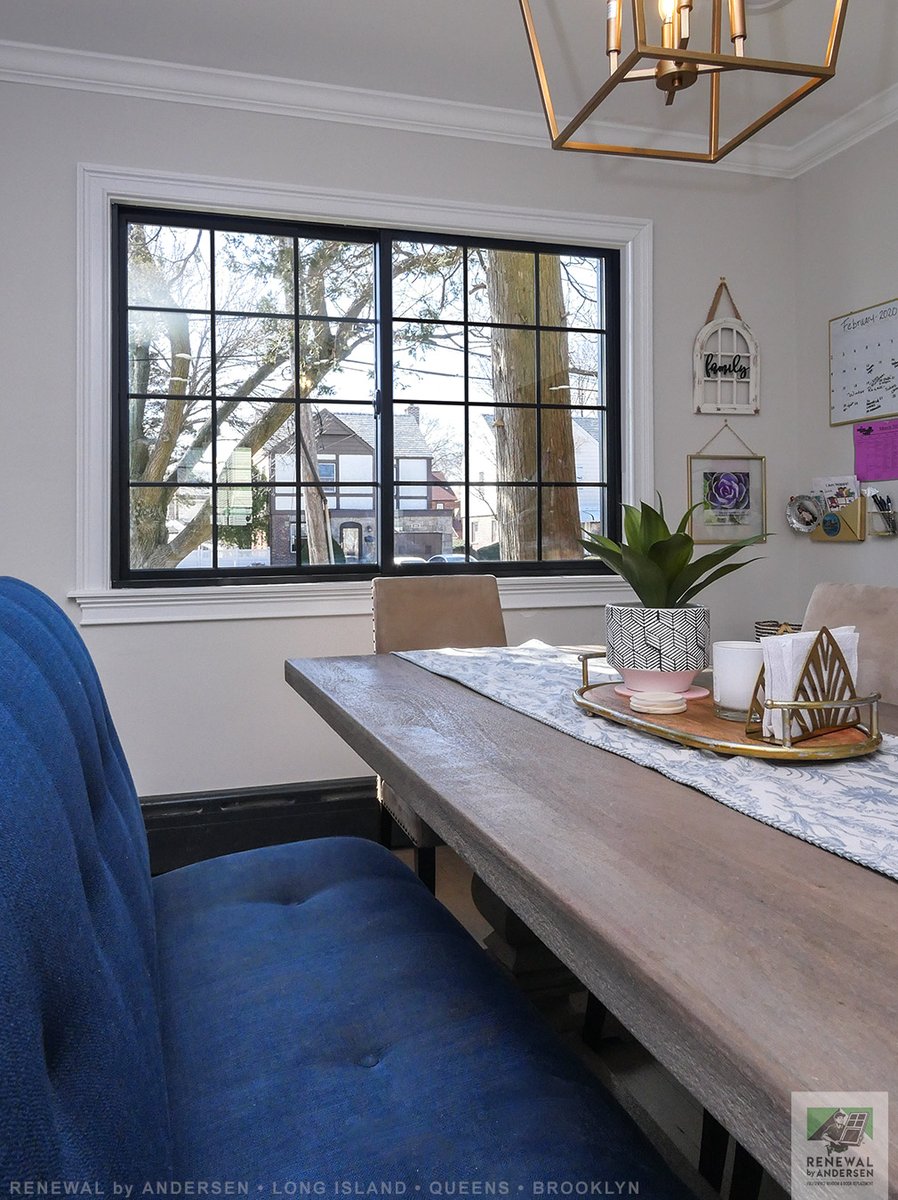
(751, 964)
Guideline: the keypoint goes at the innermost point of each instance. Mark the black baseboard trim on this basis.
(193, 826)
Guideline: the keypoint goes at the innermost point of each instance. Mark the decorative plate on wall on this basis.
(804, 513)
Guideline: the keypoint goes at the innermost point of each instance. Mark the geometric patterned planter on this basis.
(643, 642)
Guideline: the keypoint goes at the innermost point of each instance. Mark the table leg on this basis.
(747, 1176)
(385, 828)
(426, 866)
(713, 1152)
(593, 1021)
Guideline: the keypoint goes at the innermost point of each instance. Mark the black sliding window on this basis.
(300, 401)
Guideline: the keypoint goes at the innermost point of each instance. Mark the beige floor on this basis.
(667, 1113)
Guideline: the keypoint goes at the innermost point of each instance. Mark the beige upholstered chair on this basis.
(874, 611)
(428, 613)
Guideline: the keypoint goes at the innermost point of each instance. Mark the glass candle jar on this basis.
(736, 667)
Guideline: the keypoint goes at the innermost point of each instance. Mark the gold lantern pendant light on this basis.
(676, 66)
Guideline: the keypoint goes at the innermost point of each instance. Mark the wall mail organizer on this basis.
(726, 363)
(845, 524)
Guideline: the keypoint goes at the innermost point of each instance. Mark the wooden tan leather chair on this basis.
(429, 613)
(874, 612)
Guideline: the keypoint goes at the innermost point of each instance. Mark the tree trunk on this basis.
(318, 527)
(519, 431)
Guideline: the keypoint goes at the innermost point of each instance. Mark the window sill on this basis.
(149, 606)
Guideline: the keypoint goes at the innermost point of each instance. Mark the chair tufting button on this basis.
(369, 1060)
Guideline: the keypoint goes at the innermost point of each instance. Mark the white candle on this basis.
(736, 667)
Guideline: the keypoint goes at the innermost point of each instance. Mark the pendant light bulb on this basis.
(667, 10)
(612, 32)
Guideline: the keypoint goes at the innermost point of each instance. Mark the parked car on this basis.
(402, 559)
(452, 558)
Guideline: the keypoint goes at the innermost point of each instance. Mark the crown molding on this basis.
(144, 79)
(862, 122)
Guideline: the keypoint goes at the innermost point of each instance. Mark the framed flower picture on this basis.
(730, 488)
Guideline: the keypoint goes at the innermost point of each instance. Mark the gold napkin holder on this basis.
(825, 700)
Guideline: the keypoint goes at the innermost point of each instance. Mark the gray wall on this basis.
(203, 704)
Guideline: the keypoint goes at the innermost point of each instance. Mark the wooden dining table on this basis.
(750, 963)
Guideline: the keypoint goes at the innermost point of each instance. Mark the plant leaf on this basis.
(688, 578)
(672, 555)
(597, 539)
(634, 534)
(713, 577)
(654, 527)
(681, 528)
(610, 556)
(645, 577)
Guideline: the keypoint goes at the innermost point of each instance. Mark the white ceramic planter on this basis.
(658, 649)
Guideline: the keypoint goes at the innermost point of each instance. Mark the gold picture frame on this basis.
(732, 492)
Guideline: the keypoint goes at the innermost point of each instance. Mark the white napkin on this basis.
(784, 659)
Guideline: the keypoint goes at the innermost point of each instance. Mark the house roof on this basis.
(440, 489)
(591, 426)
(408, 440)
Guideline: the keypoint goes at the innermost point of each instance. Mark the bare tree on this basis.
(261, 355)
(161, 446)
(510, 288)
(447, 452)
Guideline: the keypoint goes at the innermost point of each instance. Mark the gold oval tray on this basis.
(700, 728)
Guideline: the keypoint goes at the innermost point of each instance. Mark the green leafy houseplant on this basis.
(658, 564)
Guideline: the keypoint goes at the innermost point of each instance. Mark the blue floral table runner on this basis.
(849, 808)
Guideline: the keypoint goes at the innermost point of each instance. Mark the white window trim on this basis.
(100, 186)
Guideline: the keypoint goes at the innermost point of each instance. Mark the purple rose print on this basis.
(727, 493)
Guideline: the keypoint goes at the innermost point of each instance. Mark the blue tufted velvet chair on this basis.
(84, 1086)
(297, 1015)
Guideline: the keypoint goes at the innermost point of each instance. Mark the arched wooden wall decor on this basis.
(726, 363)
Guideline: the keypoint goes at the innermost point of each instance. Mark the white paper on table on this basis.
(784, 660)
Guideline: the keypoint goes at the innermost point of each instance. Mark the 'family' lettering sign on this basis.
(726, 368)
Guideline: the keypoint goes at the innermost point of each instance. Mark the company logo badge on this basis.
(840, 1143)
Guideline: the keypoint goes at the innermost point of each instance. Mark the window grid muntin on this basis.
(537, 312)
(214, 395)
(608, 304)
(466, 323)
(215, 518)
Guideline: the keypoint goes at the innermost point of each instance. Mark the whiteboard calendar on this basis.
(863, 364)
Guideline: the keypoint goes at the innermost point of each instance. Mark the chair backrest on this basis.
(874, 611)
(430, 612)
(80, 1045)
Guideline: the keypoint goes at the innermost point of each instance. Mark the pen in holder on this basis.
(885, 520)
(825, 699)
